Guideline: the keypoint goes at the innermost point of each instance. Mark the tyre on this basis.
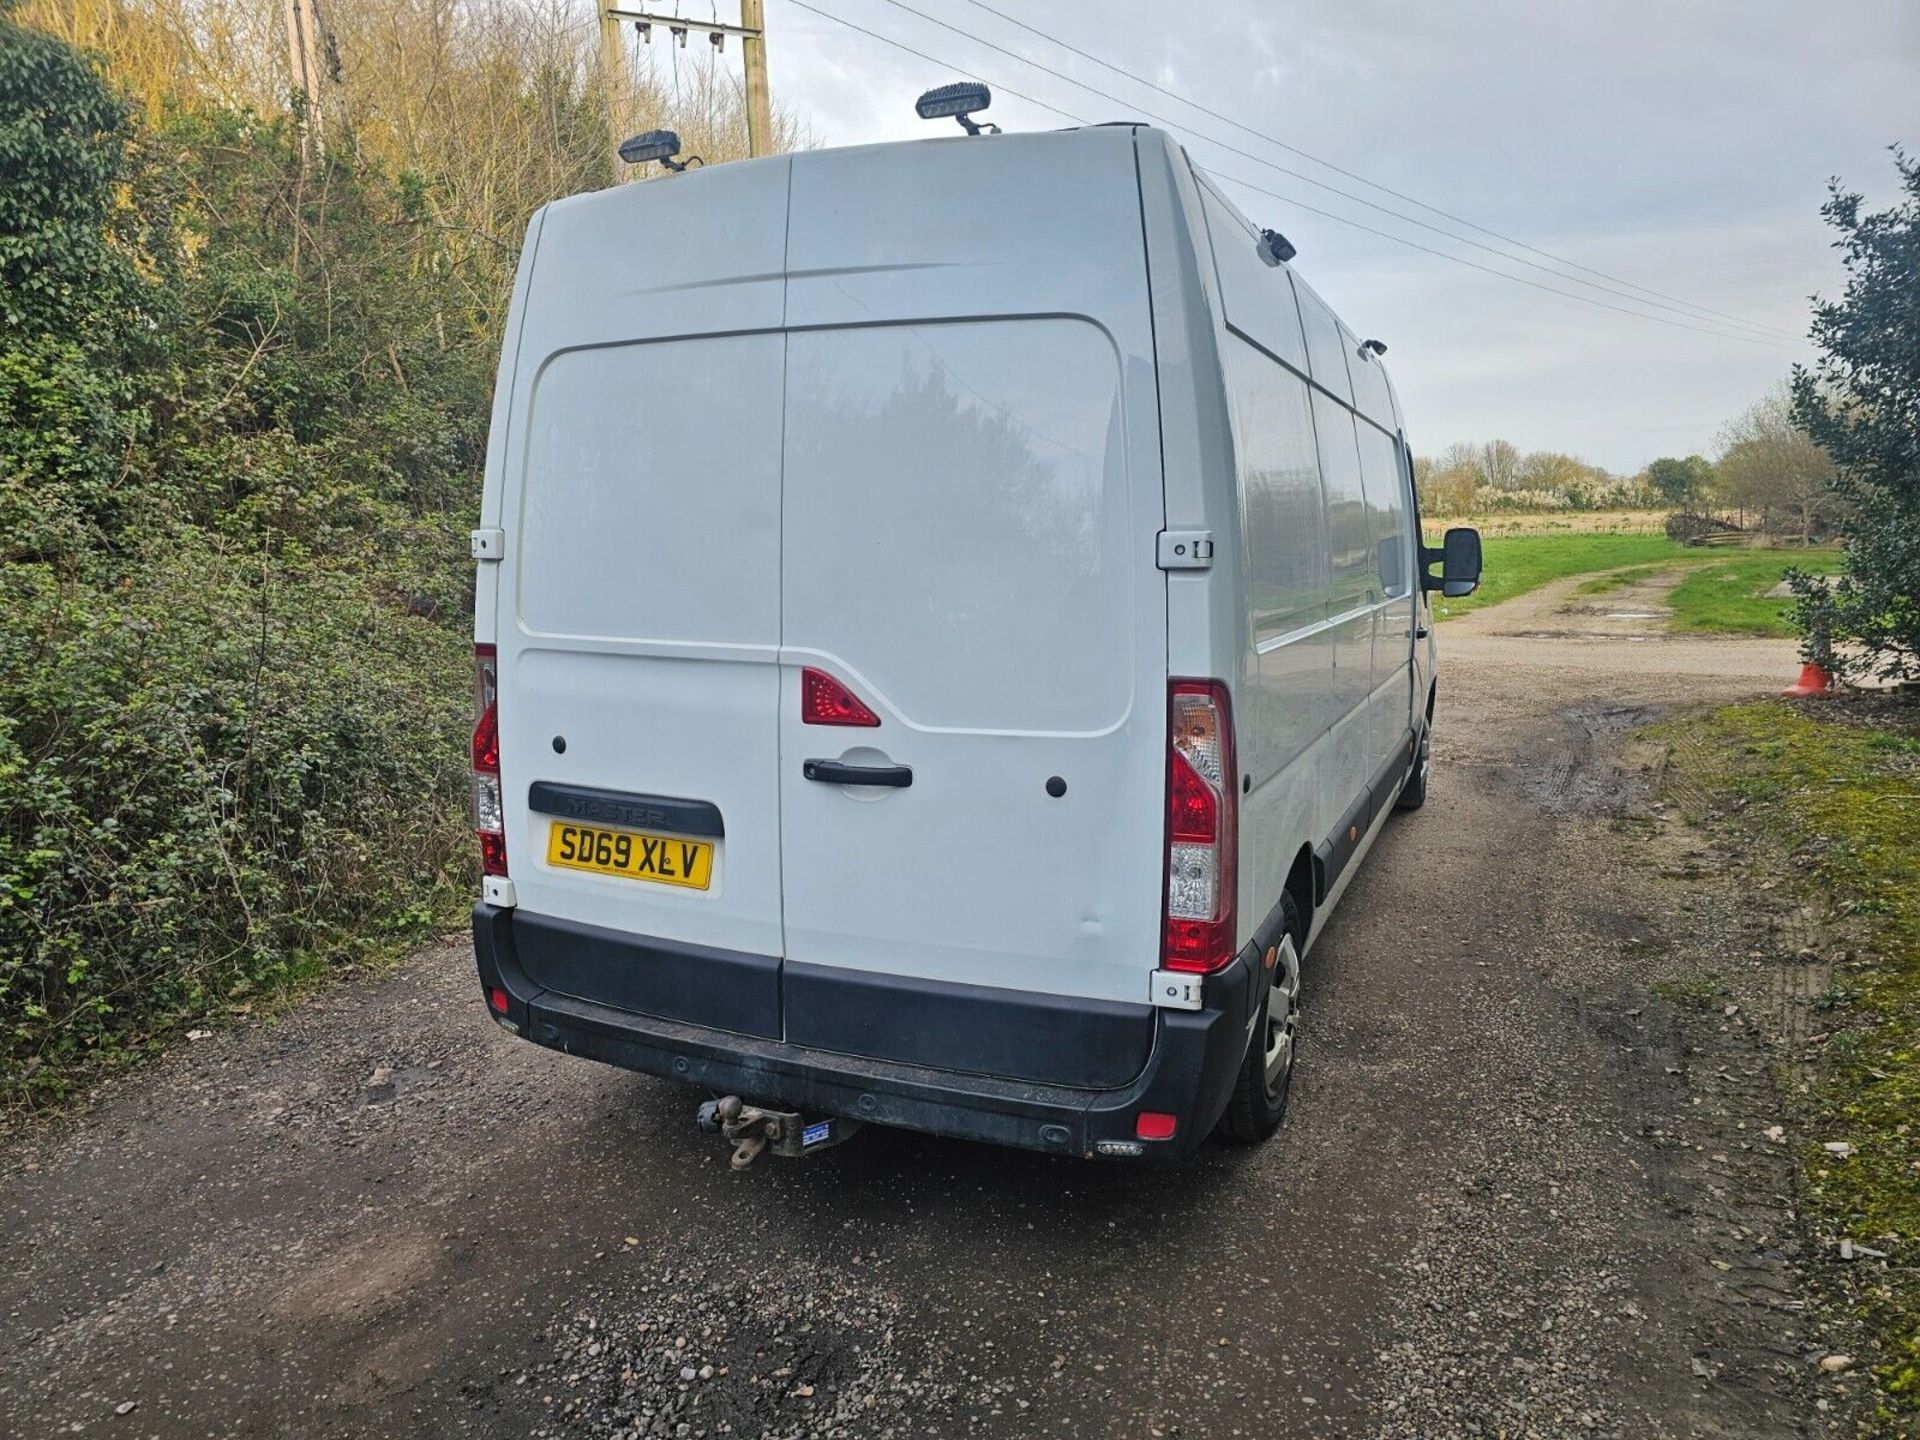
(1414, 793)
(1259, 1100)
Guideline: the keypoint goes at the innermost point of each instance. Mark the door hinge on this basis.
(1186, 549)
(489, 544)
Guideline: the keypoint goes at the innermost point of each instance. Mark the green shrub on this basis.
(211, 773)
(242, 416)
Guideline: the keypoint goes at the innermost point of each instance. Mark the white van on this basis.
(950, 618)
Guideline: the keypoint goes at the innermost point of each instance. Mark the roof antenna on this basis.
(960, 101)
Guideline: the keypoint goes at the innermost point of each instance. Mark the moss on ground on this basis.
(1833, 791)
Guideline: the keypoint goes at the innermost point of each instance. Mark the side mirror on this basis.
(1459, 558)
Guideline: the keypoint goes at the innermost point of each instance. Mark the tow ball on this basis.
(753, 1129)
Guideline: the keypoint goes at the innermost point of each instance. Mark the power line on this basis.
(1275, 195)
(1373, 184)
(1488, 269)
(1299, 175)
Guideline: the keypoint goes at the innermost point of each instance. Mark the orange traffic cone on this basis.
(1814, 680)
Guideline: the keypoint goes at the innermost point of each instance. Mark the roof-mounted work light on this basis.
(661, 145)
(1378, 347)
(1275, 248)
(960, 101)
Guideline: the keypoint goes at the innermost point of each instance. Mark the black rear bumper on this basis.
(1187, 1069)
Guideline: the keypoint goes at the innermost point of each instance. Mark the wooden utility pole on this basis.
(303, 29)
(753, 19)
(613, 79)
(753, 43)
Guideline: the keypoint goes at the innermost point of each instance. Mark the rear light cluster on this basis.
(1202, 802)
(489, 814)
(825, 701)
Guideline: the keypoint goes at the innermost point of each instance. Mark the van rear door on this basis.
(971, 500)
(639, 601)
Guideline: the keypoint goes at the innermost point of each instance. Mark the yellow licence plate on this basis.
(631, 855)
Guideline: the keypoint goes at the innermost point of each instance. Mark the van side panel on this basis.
(1208, 630)
(1293, 703)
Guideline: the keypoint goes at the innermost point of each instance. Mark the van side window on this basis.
(1387, 508)
(1372, 396)
(1280, 491)
(1349, 527)
(1257, 296)
(1325, 348)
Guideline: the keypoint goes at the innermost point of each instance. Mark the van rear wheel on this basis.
(1414, 793)
(1259, 1100)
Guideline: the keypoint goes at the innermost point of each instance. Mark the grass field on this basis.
(1515, 564)
(1728, 596)
(1723, 593)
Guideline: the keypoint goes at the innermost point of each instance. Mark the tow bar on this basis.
(753, 1129)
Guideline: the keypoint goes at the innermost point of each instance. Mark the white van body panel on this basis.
(916, 416)
(639, 602)
(972, 482)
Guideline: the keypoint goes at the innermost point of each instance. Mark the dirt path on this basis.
(1556, 628)
(1518, 1194)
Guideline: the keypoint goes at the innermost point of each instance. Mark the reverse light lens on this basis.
(489, 815)
(825, 701)
(1192, 882)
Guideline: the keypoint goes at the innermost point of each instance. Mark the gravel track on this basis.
(1517, 1195)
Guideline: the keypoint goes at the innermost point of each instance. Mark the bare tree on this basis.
(1500, 464)
(489, 108)
(1768, 463)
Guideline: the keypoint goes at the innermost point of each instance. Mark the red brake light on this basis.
(489, 813)
(496, 1000)
(1153, 1125)
(1202, 811)
(486, 741)
(825, 701)
(1192, 811)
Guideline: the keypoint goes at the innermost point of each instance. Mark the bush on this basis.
(1862, 404)
(211, 774)
(241, 427)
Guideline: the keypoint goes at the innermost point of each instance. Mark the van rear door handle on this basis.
(836, 772)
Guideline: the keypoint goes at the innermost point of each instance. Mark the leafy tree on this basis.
(1681, 483)
(230, 734)
(73, 309)
(1861, 403)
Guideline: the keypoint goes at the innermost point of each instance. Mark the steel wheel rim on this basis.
(1283, 1013)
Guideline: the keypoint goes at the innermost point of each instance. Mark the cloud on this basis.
(1685, 148)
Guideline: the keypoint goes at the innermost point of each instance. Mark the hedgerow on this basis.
(242, 413)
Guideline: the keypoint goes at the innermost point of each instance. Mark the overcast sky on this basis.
(1683, 147)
